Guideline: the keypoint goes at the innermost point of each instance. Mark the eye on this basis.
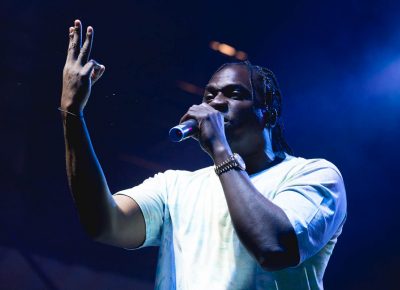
(237, 95)
(208, 97)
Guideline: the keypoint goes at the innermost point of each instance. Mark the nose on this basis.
(220, 103)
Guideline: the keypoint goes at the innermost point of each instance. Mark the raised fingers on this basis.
(75, 39)
(87, 46)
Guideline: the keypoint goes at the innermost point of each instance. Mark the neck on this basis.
(262, 158)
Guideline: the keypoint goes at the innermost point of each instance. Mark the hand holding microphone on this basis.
(211, 122)
(206, 124)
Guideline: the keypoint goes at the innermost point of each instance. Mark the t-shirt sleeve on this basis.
(314, 200)
(150, 196)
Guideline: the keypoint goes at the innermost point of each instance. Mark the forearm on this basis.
(87, 183)
(262, 227)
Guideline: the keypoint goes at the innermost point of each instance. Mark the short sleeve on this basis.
(314, 200)
(150, 196)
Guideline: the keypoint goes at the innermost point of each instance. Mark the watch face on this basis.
(240, 161)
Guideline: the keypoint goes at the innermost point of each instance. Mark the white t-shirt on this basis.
(187, 216)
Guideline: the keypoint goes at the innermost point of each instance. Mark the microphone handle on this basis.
(183, 131)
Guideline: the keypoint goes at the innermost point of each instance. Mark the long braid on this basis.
(273, 101)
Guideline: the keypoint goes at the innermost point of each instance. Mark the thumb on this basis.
(89, 66)
(97, 72)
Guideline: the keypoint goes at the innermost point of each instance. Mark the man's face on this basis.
(229, 91)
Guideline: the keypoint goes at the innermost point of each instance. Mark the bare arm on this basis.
(113, 220)
(262, 227)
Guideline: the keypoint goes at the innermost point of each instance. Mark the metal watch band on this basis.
(229, 164)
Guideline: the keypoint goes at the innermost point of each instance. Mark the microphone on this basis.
(183, 131)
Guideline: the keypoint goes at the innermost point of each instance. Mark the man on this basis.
(259, 219)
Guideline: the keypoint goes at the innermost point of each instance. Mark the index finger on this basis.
(75, 40)
(188, 115)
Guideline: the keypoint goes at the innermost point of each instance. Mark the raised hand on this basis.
(79, 73)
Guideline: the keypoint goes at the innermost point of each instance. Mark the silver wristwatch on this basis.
(233, 162)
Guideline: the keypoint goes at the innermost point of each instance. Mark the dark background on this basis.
(338, 63)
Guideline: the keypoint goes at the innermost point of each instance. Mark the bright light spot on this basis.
(226, 49)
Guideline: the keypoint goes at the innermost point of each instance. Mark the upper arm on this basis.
(128, 228)
(138, 218)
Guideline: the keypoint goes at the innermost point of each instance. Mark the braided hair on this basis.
(272, 105)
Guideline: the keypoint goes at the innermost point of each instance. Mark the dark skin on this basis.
(117, 220)
(230, 121)
(113, 220)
